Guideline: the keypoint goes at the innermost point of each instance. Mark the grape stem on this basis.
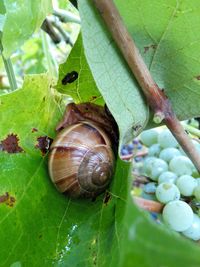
(156, 97)
(149, 205)
(138, 154)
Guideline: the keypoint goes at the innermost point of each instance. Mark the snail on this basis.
(82, 156)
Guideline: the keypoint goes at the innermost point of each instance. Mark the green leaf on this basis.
(2, 17)
(169, 47)
(112, 75)
(167, 35)
(22, 19)
(33, 56)
(41, 227)
(177, 55)
(2, 8)
(24, 177)
(84, 88)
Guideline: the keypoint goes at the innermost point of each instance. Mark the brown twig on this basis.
(156, 98)
(66, 16)
(132, 155)
(58, 25)
(149, 205)
(49, 29)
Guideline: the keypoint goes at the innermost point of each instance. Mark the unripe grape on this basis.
(169, 153)
(168, 177)
(167, 192)
(149, 137)
(166, 139)
(154, 150)
(193, 232)
(155, 168)
(178, 215)
(147, 164)
(150, 188)
(186, 184)
(181, 165)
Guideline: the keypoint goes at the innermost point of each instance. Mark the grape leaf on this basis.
(169, 43)
(32, 56)
(41, 227)
(22, 19)
(112, 75)
(170, 47)
(84, 88)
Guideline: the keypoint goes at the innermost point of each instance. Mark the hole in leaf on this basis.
(43, 144)
(70, 77)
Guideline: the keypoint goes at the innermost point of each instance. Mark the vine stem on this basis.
(66, 16)
(58, 26)
(51, 63)
(9, 70)
(156, 97)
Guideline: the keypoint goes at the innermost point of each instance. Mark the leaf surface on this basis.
(112, 75)
(22, 19)
(41, 227)
(83, 88)
(169, 43)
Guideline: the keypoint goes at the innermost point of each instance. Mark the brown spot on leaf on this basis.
(146, 48)
(198, 77)
(10, 144)
(34, 130)
(107, 198)
(43, 144)
(70, 77)
(7, 199)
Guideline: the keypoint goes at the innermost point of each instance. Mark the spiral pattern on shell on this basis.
(81, 160)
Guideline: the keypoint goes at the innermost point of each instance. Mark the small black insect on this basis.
(70, 77)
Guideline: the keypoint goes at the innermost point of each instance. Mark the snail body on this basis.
(81, 160)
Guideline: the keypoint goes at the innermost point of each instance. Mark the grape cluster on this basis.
(174, 182)
(132, 148)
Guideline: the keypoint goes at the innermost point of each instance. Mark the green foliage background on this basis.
(44, 228)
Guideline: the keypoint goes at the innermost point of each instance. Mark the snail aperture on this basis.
(81, 160)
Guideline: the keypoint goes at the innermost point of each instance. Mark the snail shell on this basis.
(81, 160)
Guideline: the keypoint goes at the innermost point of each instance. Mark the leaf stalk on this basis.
(9, 70)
